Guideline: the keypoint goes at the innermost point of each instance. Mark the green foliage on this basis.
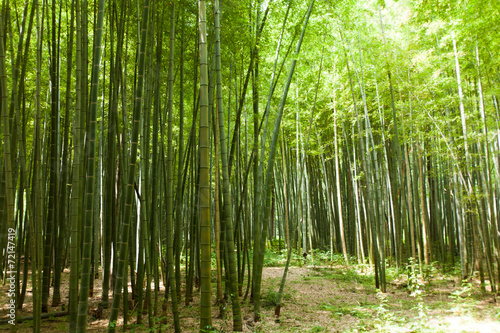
(270, 298)
(276, 245)
(415, 287)
(325, 258)
(318, 329)
(497, 314)
(321, 258)
(429, 271)
(338, 311)
(353, 276)
(414, 284)
(385, 317)
(276, 259)
(392, 272)
(462, 301)
(208, 329)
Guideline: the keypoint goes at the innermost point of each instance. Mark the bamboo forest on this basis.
(249, 165)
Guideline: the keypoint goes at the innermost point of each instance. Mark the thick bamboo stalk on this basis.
(205, 303)
(81, 324)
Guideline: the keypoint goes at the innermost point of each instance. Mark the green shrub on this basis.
(270, 298)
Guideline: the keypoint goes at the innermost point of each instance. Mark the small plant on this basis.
(429, 271)
(497, 314)
(385, 318)
(416, 289)
(392, 273)
(276, 245)
(271, 298)
(322, 257)
(208, 329)
(275, 259)
(413, 282)
(350, 275)
(338, 312)
(462, 298)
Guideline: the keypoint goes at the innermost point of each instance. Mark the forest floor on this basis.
(323, 298)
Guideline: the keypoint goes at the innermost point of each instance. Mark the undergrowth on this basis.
(410, 303)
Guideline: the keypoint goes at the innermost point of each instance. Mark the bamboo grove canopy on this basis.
(165, 143)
